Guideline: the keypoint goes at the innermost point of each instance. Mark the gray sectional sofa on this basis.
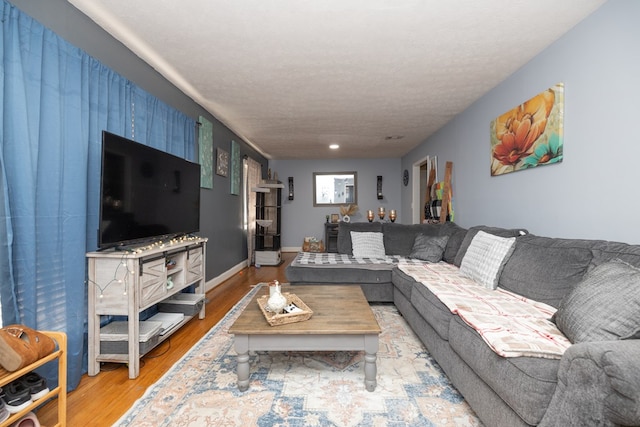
(595, 382)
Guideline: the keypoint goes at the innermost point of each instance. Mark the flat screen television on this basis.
(145, 194)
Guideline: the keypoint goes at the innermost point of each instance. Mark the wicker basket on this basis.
(284, 318)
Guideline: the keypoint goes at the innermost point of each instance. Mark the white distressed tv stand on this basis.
(126, 282)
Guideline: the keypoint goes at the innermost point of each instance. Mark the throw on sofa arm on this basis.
(598, 384)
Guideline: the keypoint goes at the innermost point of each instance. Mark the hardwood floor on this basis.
(101, 400)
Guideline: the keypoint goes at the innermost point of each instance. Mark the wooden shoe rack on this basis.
(60, 391)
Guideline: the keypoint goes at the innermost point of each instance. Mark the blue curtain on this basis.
(162, 127)
(56, 100)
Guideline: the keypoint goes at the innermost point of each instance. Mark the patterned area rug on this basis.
(304, 389)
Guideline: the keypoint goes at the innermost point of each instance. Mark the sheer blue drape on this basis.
(56, 100)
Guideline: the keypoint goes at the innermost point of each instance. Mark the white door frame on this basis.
(416, 204)
(416, 197)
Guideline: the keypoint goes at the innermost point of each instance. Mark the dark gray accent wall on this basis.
(220, 212)
(593, 192)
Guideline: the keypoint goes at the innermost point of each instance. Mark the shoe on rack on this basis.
(29, 420)
(36, 385)
(21, 346)
(4, 413)
(16, 397)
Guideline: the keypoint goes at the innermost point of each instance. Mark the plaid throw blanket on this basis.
(513, 326)
(335, 260)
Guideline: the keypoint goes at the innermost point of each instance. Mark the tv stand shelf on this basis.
(124, 283)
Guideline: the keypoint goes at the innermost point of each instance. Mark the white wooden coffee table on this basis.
(342, 321)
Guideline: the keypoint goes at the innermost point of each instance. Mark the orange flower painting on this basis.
(529, 135)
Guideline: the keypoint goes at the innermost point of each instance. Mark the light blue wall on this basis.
(593, 193)
(301, 219)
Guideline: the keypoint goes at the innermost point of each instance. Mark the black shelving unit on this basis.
(268, 223)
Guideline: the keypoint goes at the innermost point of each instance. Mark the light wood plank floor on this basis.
(101, 400)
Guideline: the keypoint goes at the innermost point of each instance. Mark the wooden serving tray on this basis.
(284, 318)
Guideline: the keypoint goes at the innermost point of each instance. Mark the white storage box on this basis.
(268, 258)
(187, 304)
(114, 337)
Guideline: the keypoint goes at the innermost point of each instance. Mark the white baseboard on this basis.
(212, 283)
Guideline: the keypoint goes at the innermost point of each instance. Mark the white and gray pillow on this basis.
(367, 244)
(485, 258)
(604, 306)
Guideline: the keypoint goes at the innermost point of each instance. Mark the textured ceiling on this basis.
(293, 76)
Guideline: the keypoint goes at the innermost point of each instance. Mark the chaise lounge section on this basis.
(594, 286)
(373, 274)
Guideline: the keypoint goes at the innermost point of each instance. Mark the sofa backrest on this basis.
(604, 251)
(399, 238)
(456, 237)
(546, 269)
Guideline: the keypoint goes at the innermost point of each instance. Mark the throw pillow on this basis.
(604, 306)
(429, 248)
(496, 231)
(485, 258)
(344, 233)
(367, 245)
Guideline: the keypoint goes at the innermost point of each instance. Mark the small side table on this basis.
(331, 236)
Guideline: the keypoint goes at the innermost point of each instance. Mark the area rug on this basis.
(306, 388)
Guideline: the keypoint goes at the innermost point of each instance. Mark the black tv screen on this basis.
(145, 193)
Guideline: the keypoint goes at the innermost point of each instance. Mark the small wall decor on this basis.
(205, 142)
(222, 162)
(379, 188)
(235, 168)
(290, 188)
(335, 218)
(529, 135)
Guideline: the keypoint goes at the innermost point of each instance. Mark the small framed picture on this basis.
(335, 218)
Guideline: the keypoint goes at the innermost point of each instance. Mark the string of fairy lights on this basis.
(117, 277)
(120, 277)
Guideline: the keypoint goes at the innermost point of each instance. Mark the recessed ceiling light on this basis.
(334, 146)
(393, 137)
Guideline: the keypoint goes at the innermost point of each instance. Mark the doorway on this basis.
(421, 170)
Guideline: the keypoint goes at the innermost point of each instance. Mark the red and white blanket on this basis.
(510, 324)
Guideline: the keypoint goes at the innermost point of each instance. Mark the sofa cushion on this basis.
(546, 269)
(485, 258)
(399, 238)
(604, 306)
(526, 384)
(344, 233)
(429, 248)
(456, 236)
(496, 231)
(402, 282)
(431, 309)
(367, 245)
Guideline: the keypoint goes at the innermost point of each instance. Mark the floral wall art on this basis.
(529, 135)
